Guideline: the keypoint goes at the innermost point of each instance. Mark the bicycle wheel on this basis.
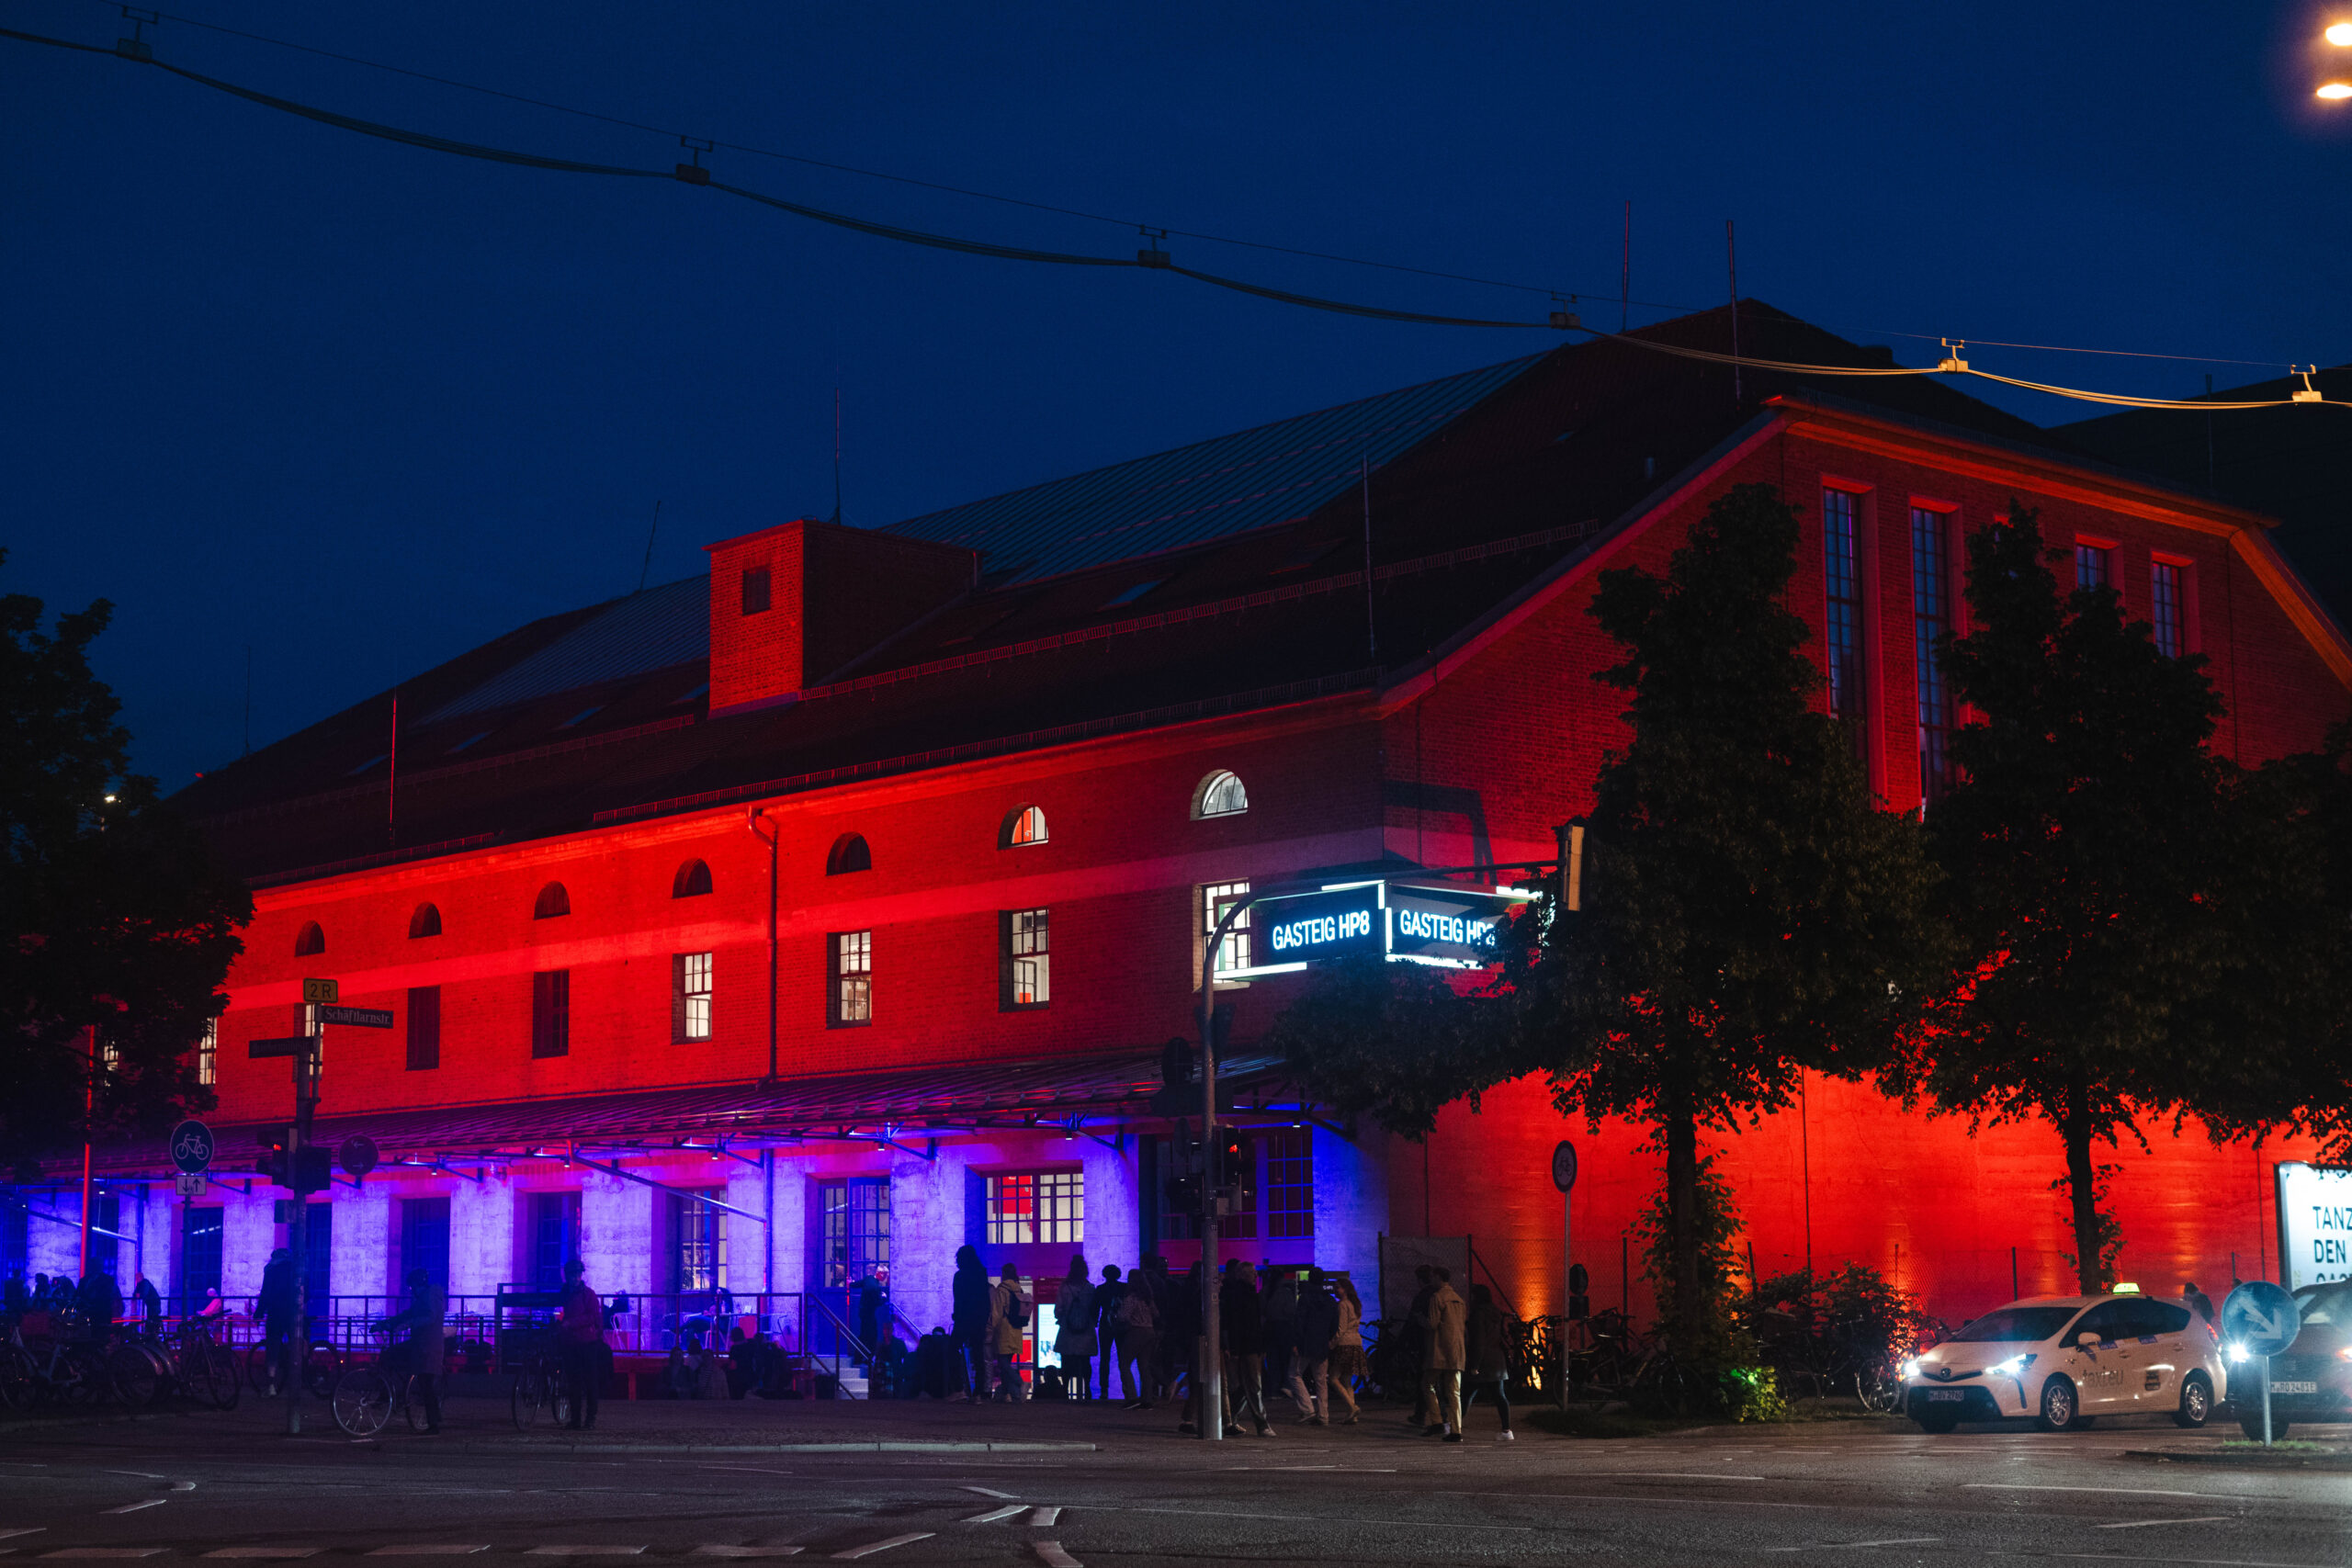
(212, 1375)
(257, 1367)
(137, 1383)
(1878, 1388)
(322, 1366)
(363, 1402)
(529, 1397)
(560, 1403)
(413, 1402)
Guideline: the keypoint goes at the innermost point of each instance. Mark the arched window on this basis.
(553, 901)
(692, 881)
(848, 853)
(427, 921)
(310, 940)
(1220, 795)
(1026, 825)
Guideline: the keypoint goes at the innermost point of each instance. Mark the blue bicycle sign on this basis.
(192, 1147)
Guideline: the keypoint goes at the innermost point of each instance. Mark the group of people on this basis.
(1462, 1353)
(1295, 1331)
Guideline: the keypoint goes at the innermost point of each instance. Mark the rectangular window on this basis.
(423, 1028)
(690, 996)
(698, 1254)
(2167, 607)
(1234, 952)
(1024, 967)
(1290, 1183)
(208, 1052)
(553, 1236)
(2092, 566)
(424, 1239)
(551, 1013)
(855, 1214)
(1037, 1206)
(755, 590)
(1931, 619)
(853, 977)
(1841, 545)
(199, 1257)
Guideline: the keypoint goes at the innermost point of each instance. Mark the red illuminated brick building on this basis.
(1008, 753)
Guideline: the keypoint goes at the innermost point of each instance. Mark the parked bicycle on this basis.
(365, 1398)
(203, 1368)
(541, 1388)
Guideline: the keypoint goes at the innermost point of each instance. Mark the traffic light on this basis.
(272, 1163)
(1237, 1164)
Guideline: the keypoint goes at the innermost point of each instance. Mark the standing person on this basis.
(2197, 1300)
(1074, 1330)
(1008, 1316)
(1487, 1364)
(1169, 1347)
(1318, 1325)
(275, 1304)
(1242, 1314)
(1417, 1346)
(421, 1354)
(1138, 1341)
(1181, 1342)
(1281, 1307)
(99, 1303)
(971, 1322)
(580, 1345)
(150, 1302)
(871, 1315)
(1107, 1297)
(1447, 1324)
(1347, 1362)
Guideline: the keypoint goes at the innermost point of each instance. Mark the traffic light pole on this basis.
(297, 1229)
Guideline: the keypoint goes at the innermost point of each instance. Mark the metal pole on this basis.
(89, 1111)
(2266, 1402)
(298, 1230)
(1209, 1376)
(1567, 1282)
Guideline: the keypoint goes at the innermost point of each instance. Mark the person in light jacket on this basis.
(1486, 1367)
(1348, 1363)
(1008, 1316)
(1074, 1330)
(1448, 1322)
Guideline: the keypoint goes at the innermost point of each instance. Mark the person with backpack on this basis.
(1138, 1341)
(1074, 1330)
(1107, 1297)
(973, 1306)
(1008, 1317)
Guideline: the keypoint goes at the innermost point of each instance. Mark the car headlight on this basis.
(2236, 1351)
(1910, 1369)
(2345, 1354)
(2011, 1366)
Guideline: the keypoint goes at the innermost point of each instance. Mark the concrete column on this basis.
(617, 1232)
(365, 1242)
(927, 1224)
(1113, 1200)
(1351, 1209)
(482, 1236)
(248, 1231)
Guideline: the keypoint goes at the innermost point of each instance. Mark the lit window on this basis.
(698, 1254)
(1290, 1183)
(1233, 952)
(1840, 540)
(1026, 825)
(1220, 795)
(551, 1013)
(2092, 566)
(208, 1052)
(1037, 1206)
(2165, 602)
(853, 986)
(690, 996)
(1026, 970)
(1931, 619)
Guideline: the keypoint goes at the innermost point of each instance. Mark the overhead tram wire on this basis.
(1150, 261)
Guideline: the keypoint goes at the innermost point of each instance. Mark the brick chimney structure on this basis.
(791, 604)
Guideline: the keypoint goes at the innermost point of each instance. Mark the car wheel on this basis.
(1936, 1425)
(2252, 1427)
(2060, 1408)
(2196, 1401)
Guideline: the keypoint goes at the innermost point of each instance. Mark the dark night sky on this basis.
(363, 406)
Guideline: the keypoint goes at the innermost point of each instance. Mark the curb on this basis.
(2338, 1461)
(882, 1446)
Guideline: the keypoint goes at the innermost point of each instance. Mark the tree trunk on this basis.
(1682, 1218)
(2082, 1184)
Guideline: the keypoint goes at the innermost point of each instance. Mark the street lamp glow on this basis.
(2340, 34)
(2337, 90)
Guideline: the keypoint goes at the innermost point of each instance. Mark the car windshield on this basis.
(2331, 1308)
(2017, 1324)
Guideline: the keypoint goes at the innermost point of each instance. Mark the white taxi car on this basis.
(2066, 1361)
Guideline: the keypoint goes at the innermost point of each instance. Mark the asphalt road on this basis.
(230, 1488)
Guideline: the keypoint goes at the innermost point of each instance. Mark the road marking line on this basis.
(745, 1469)
(2142, 1524)
(1050, 1553)
(1330, 1519)
(584, 1552)
(2181, 1562)
(746, 1552)
(142, 1474)
(2107, 1490)
(1676, 1474)
(264, 1551)
(1850, 1545)
(985, 1491)
(430, 1549)
(1042, 1516)
(134, 1507)
(993, 1515)
(183, 1485)
(104, 1551)
(856, 1551)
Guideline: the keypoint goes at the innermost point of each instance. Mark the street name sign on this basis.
(363, 1018)
(283, 1045)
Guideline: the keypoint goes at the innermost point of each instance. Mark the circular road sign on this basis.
(192, 1147)
(2260, 1317)
(1563, 1166)
(357, 1153)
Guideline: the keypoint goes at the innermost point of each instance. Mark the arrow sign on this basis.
(192, 1148)
(358, 1154)
(2261, 1317)
(364, 1018)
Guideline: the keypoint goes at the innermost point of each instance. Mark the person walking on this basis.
(2198, 1302)
(421, 1354)
(1447, 1352)
(1417, 1347)
(970, 1322)
(1107, 1297)
(1008, 1316)
(274, 1301)
(1139, 1326)
(580, 1346)
(1241, 1316)
(1074, 1330)
(1318, 1325)
(1487, 1364)
(1347, 1362)
(1280, 1308)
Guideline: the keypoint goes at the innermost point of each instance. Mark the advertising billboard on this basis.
(2315, 1223)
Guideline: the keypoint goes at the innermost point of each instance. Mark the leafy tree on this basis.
(2086, 848)
(1748, 911)
(117, 917)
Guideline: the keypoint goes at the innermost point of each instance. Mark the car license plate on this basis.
(2294, 1385)
(1955, 1395)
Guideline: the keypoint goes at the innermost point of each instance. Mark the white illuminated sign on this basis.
(1321, 931)
(2315, 1223)
(1453, 928)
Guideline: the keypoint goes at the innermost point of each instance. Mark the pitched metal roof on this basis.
(1210, 489)
(645, 632)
